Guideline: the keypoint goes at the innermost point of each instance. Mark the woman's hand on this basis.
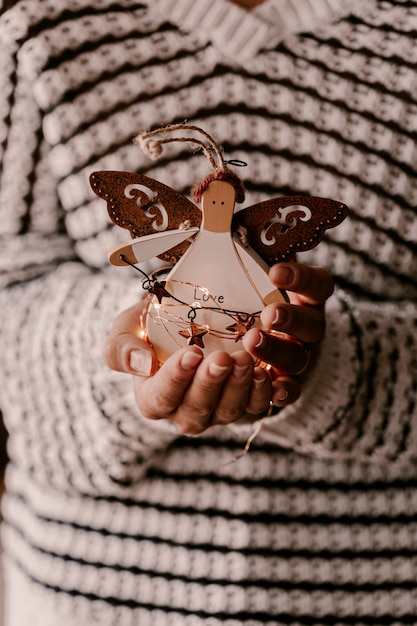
(191, 391)
(297, 328)
(195, 392)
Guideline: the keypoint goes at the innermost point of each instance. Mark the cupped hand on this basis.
(195, 392)
(192, 392)
(293, 330)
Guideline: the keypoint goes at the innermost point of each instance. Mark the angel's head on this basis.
(222, 174)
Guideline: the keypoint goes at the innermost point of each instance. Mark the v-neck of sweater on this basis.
(240, 33)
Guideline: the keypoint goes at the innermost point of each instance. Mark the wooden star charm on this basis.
(158, 289)
(241, 327)
(194, 334)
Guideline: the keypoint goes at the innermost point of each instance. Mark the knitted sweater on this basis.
(111, 518)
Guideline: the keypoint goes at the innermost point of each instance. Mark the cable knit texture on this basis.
(110, 518)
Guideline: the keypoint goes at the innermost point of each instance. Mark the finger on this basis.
(260, 393)
(159, 396)
(283, 353)
(313, 285)
(285, 391)
(202, 396)
(235, 393)
(125, 350)
(304, 323)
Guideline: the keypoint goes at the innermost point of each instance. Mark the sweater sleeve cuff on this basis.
(307, 424)
(359, 400)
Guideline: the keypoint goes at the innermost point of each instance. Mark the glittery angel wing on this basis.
(145, 206)
(279, 228)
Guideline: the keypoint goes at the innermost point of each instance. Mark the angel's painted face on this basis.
(217, 203)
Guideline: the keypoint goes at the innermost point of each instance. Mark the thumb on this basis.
(124, 349)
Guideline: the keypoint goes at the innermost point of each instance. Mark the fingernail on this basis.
(259, 377)
(240, 371)
(261, 341)
(190, 360)
(141, 362)
(281, 317)
(217, 370)
(281, 394)
(283, 275)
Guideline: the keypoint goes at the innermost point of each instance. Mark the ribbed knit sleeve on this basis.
(360, 401)
(32, 241)
(72, 422)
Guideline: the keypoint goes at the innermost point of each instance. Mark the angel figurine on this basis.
(218, 283)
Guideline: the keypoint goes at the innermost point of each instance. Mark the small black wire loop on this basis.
(192, 314)
(236, 163)
(147, 282)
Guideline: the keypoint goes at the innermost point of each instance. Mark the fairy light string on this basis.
(242, 321)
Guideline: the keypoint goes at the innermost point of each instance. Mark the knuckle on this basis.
(296, 320)
(320, 330)
(168, 393)
(163, 403)
(259, 400)
(257, 407)
(228, 414)
(324, 284)
(115, 351)
(191, 428)
(285, 392)
(149, 413)
(307, 324)
(199, 413)
(302, 277)
(315, 281)
(111, 355)
(317, 326)
(107, 353)
(292, 359)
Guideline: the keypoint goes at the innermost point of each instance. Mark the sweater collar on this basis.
(239, 33)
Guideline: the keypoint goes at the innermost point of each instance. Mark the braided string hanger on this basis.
(151, 142)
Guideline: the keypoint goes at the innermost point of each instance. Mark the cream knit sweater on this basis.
(114, 520)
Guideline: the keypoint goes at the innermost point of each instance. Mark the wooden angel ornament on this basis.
(218, 284)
